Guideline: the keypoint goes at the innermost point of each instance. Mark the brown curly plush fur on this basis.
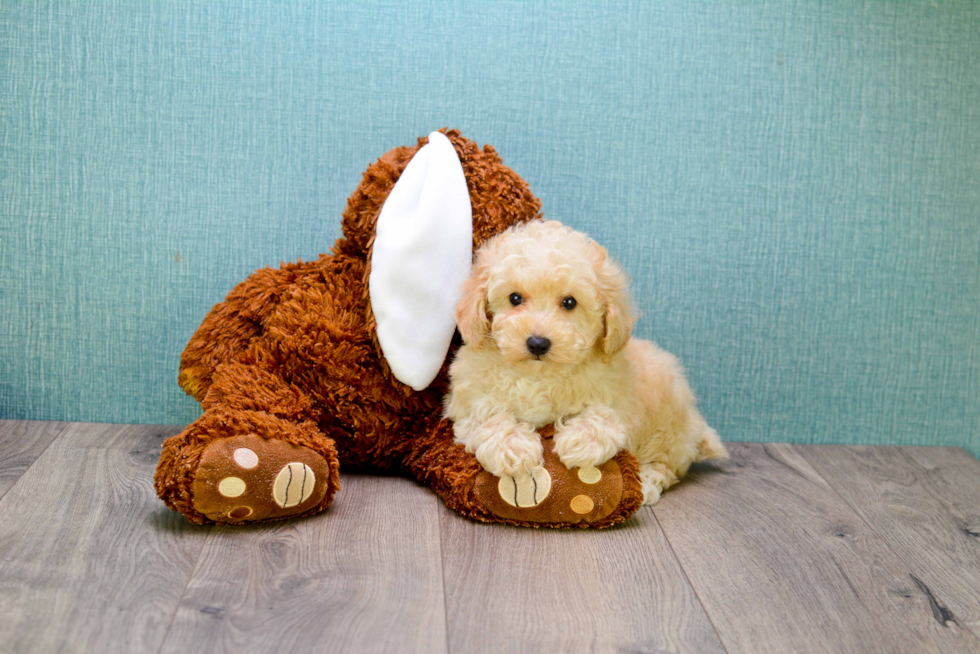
(292, 354)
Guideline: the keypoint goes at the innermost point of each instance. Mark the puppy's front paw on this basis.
(589, 440)
(514, 450)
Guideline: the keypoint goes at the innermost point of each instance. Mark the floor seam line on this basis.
(57, 435)
(694, 590)
(183, 593)
(442, 570)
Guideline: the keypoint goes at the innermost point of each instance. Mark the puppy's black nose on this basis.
(538, 346)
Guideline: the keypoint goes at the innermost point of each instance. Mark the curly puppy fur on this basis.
(546, 319)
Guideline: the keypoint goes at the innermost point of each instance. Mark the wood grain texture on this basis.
(925, 501)
(521, 590)
(21, 442)
(90, 559)
(870, 549)
(366, 576)
(783, 564)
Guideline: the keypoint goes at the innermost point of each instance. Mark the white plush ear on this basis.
(423, 249)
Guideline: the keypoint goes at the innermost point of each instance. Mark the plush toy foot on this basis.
(249, 479)
(220, 469)
(556, 496)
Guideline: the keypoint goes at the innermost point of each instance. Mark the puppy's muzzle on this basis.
(538, 346)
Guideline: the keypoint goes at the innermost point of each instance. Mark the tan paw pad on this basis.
(293, 485)
(590, 475)
(526, 490)
(231, 486)
(581, 504)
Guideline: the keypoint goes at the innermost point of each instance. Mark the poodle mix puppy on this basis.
(546, 319)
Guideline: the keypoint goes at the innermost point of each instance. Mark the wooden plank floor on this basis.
(781, 549)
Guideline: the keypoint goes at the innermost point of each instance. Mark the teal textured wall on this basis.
(794, 186)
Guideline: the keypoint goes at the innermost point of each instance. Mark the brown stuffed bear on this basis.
(312, 365)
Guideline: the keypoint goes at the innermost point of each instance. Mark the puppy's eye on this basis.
(516, 298)
(569, 303)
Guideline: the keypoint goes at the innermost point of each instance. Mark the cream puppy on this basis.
(546, 320)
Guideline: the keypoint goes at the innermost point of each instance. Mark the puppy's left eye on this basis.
(516, 299)
(569, 303)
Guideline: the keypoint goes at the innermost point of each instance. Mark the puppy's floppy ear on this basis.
(619, 316)
(471, 310)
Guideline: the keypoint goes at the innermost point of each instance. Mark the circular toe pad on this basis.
(293, 484)
(590, 475)
(231, 487)
(525, 491)
(581, 504)
(246, 458)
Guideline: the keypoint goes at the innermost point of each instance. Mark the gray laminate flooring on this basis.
(784, 548)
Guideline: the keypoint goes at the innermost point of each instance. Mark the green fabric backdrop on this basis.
(794, 186)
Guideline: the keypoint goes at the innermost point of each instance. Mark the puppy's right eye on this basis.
(516, 298)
